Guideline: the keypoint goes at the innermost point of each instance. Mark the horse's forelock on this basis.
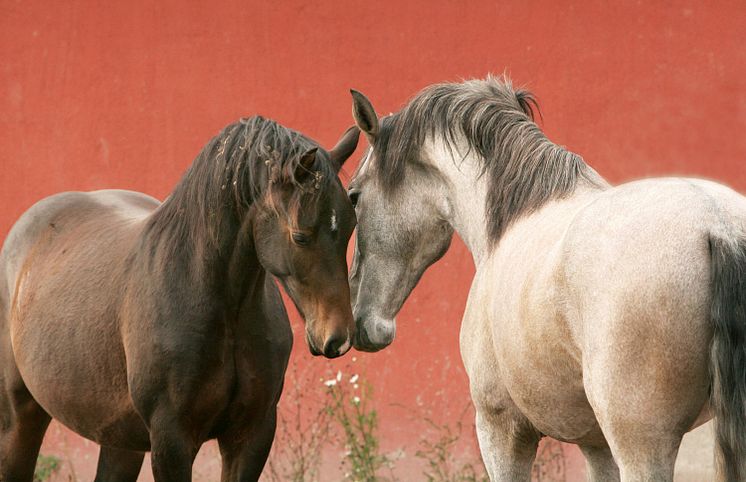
(289, 195)
(234, 171)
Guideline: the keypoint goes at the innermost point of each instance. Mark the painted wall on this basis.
(124, 94)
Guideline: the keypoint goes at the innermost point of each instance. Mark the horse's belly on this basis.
(79, 377)
(555, 404)
(103, 414)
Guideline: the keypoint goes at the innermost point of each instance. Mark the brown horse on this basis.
(147, 326)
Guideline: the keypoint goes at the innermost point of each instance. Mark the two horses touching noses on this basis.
(609, 317)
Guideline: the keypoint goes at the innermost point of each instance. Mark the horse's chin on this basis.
(374, 334)
(369, 348)
(311, 347)
(314, 351)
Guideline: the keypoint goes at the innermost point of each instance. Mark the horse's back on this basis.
(645, 246)
(64, 264)
(72, 206)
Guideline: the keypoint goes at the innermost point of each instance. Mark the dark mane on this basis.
(232, 173)
(525, 168)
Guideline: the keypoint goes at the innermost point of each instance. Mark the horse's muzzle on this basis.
(334, 346)
(373, 333)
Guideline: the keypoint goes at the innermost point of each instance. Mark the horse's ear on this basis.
(345, 147)
(365, 115)
(305, 169)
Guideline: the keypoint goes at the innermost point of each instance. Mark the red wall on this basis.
(124, 94)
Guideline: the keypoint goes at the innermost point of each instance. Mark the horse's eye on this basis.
(301, 239)
(354, 195)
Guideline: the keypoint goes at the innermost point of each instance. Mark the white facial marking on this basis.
(345, 346)
(334, 220)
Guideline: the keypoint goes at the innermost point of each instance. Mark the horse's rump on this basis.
(638, 267)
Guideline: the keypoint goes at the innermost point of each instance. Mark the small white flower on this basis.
(355, 386)
(354, 378)
(356, 400)
(339, 376)
(354, 358)
(330, 383)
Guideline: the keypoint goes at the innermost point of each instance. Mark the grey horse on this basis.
(611, 317)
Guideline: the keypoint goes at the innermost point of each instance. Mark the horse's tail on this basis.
(728, 353)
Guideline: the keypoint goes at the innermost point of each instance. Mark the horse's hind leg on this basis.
(645, 456)
(115, 465)
(600, 463)
(22, 420)
(508, 443)
(22, 426)
(644, 403)
(643, 428)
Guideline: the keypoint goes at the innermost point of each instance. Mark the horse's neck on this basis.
(217, 262)
(466, 191)
(467, 188)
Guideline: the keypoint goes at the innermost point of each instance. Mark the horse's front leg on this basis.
(115, 465)
(508, 443)
(172, 448)
(245, 454)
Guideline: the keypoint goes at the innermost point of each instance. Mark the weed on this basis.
(46, 465)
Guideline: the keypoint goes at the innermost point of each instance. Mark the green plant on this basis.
(437, 451)
(350, 407)
(344, 416)
(46, 465)
(303, 428)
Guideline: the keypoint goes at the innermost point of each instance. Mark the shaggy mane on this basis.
(233, 172)
(525, 169)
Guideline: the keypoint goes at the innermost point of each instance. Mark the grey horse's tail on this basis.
(728, 353)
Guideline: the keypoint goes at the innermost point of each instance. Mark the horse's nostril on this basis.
(332, 346)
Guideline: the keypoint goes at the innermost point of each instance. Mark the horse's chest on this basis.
(247, 385)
